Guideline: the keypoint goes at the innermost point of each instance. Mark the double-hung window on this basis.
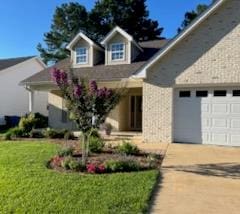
(117, 51)
(81, 56)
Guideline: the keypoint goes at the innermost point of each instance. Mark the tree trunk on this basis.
(84, 148)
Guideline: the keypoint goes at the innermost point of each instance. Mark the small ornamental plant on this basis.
(87, 104)
(93, 168)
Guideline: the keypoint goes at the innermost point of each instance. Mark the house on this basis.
(183, 90)
(14, 98)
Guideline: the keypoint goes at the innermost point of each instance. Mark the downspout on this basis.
(30, 98)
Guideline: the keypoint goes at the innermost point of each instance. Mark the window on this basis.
(81, 56)
(117, 51)
(201, 93)
(185, 94)
(236, 93)
(220, 93)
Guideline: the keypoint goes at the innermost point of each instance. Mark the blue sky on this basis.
(23, 22)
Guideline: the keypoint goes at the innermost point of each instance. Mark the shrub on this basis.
(152, 160)
(8, 136)
(41, 121)
(65, 162)
(93, 168)
(27, 123)
(33, 121)
(76, 166)
(96, 145)
(66, 152)
(57, 161)
(69, 135)
(122, 166)
(127, 148)
(54, 134)
(95, 133)
(36, 134)
(14, 132)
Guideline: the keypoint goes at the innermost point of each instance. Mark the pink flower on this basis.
(93, 86)
(91, 168)
(59, 77)
(78, 91)
(101, 168)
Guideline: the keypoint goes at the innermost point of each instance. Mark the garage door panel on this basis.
(235, 109)
(235, 124)
(207, 120)
(219, 123)
(219, 108)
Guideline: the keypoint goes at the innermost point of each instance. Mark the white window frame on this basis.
(118, 51)
(81, 55)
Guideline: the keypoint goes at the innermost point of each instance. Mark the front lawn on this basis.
(27, 186)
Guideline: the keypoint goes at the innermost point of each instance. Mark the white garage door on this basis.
(207, 116)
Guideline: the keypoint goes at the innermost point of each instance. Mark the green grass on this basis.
(26, 186)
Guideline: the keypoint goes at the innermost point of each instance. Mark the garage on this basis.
(207, 116)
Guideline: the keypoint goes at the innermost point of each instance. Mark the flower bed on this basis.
(123, 158)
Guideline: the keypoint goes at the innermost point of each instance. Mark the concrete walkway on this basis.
(199, 179)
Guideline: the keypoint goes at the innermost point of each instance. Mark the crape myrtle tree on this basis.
(87, 104)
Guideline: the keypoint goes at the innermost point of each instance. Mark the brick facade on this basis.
(208, 56)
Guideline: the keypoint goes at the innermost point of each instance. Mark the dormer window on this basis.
(81, 55)
(118, 51)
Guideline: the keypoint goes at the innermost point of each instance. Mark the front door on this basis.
(136, 113)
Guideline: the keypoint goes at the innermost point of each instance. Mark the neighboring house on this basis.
(189, 91)
(14, 98)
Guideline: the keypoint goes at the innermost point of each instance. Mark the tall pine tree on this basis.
(69, 19)
(131, 15)
(191, 15)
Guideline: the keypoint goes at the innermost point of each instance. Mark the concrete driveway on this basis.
(199, 179)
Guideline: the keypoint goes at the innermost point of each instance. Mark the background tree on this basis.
(87, 104)
(69, 19)
(191, 15)
(131, 15)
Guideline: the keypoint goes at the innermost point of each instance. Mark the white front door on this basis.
(207, 116)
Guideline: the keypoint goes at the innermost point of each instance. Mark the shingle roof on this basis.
(6, 63)
(102, 72)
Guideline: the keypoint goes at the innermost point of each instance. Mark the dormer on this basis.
(84, 51)
(120, 47)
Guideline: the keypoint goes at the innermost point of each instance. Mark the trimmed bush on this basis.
(33, 121)
(69, 135)
(14, 133)
(7, 136)
(122, 166)
(41, 121)
(76, 166)
(96, 145)
(54, 134)
(36, 134)
(65, 162)
(66, 152)
(127, 148)
(27, 123)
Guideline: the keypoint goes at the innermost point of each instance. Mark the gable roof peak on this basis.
(84, 37)
(118, 29)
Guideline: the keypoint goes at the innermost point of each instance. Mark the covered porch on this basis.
(127, 116)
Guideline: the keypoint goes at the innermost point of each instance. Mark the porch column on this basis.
(31, 100)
